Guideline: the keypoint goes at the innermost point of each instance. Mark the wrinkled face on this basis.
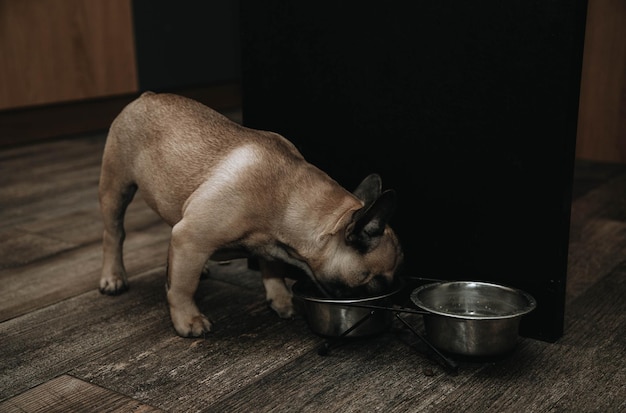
(348, 272)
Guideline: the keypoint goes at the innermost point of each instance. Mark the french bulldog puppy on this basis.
(229, 191)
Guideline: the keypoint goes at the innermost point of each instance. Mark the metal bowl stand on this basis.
(450, 365)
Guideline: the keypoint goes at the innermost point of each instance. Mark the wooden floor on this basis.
(65, 347)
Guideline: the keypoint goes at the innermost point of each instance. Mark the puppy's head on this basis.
(364, 253)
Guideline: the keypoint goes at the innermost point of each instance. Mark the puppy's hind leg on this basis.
(115, 195)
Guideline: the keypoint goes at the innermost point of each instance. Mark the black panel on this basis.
(467, 109)
(186, 43)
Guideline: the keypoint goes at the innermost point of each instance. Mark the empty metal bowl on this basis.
(472, 318)
(338, 317)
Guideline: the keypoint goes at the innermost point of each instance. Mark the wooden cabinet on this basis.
(602, 114)
(54, 51)
(69, 66)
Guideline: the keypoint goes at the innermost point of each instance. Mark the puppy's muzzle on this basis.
(377, 285)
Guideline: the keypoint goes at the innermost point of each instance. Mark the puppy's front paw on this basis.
(278, 296)
(192, 326)
(283, 306)
(113, 285)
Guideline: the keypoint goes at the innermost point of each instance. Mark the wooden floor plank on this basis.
(249, 342)
(49, 168)
(589, 175)
(51, 245)
(46, 236)
(58, 154)
(49, 342)
(597, 235)
(388, 373)
(51, 280)
(68, 394)
(281, 369)
(19, 247)
(127, 344)
(52, 204)
(84, 226)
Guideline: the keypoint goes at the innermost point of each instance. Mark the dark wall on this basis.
(186, 43)
(467, 109)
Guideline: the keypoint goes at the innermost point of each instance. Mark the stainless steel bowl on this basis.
(333, 317)
(472, 318)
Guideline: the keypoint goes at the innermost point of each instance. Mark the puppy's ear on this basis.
(369, 189)
(368, 223)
